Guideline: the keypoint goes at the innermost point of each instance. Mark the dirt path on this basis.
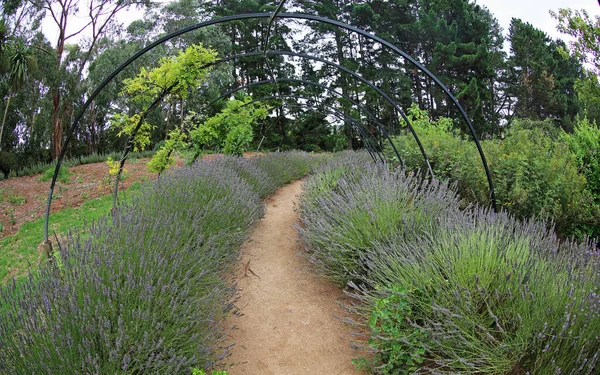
(289, 324)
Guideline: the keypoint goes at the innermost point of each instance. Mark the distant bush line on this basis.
(67, 163)
(539, 171)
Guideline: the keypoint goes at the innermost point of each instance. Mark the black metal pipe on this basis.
(327, 88)
(355, 75)
(168, 37)
(337, 113)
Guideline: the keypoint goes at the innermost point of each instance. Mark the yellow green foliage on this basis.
(163, 158)
(231, 129)
(127, 124)
(174, 75)
(113, 167)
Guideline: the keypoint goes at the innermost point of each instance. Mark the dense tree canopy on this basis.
(460, 41)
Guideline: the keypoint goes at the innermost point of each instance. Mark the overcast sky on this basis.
(533, 11)
(536, 12)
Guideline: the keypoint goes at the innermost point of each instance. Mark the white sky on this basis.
(536, 12)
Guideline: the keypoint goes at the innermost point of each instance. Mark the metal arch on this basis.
(166, 38)
(352, 123)
(352, 101)
(353, 74)
(421, 68)
(337, 113)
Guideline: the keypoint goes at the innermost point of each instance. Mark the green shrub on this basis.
(403, 350)
(585, 145)
(535, 174)
(63, 174)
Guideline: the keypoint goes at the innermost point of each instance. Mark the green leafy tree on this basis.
(175, 77)
(133, 126)
(231, 130)
(585, 47)
(588, 94)
(20, 61)
(461, 43)
(99, 20)
(585, 146)
(163, 158)
(585, 31)
(542, 79)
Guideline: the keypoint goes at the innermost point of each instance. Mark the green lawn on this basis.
(19, 252)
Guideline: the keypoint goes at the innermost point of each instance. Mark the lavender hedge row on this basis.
(145, 290)
(450, 291)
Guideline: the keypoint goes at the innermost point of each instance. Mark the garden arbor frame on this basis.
(367, 137)
(370, 84)
(326, 88)
(271, 16)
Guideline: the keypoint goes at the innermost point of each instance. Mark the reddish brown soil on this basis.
(85, 182)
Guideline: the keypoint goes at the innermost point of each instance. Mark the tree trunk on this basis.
(169, 111)
(182, 103)
(4, 118)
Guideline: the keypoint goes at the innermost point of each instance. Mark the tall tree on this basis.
(585, 32)
(461, 43)
(20, 61)
(542, 75)
(334, 44)
(585, 47)
(99, 16)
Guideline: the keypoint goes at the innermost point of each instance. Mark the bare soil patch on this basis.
(289, 323)
(86, 182)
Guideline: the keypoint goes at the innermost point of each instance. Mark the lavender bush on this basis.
(351, 203)
(145, 290)
(493, 295)
(446, 291)
(285, 167)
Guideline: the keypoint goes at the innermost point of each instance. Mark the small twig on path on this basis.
(247, 268)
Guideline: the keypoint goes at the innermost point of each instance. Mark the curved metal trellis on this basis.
(327, 88)
(338, 24)
(355, 75)
(367, 137)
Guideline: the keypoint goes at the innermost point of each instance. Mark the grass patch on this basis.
(7, 195)
(63, 174)
(19, 251)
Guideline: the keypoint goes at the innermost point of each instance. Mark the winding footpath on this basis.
(289, 323)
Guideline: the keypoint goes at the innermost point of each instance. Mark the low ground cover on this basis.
(47, 169)
(447, 289)
(20, 251)
(144, 292)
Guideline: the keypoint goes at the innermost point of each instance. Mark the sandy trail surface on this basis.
(289, 323)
